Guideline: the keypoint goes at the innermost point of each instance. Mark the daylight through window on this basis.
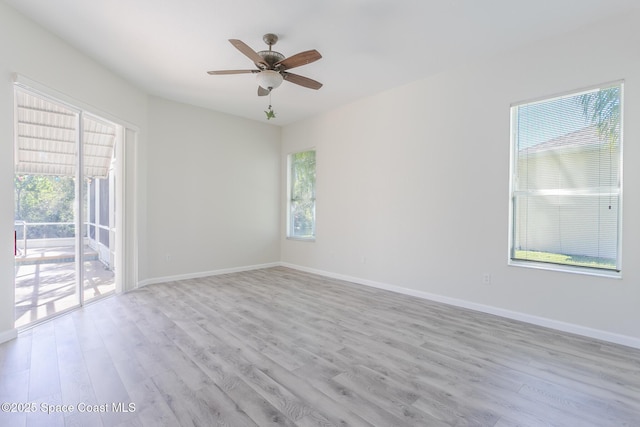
(302, 191)
(566, 180)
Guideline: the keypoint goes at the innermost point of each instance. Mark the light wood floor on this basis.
(278, 347)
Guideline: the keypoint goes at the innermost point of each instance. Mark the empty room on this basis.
(295, 213)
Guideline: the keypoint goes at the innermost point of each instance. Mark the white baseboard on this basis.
(177, 277)
(523, 317)
(8, 335)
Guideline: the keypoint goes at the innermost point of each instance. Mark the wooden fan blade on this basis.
(262, 91)
(298, 59)
(302, 81)
(248, 52)
(231, 72)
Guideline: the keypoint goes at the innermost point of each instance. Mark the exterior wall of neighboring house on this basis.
(565, 189)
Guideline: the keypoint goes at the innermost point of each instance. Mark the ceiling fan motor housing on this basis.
(271, 57)
(269, 78)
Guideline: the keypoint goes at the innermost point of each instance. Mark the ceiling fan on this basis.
(272, 66)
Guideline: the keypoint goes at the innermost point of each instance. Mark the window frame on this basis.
(513, 170)
(290, 199)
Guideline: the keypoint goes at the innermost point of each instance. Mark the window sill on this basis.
(567, 269)
(302, 239)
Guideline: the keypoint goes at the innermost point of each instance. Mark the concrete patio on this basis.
(45, 280)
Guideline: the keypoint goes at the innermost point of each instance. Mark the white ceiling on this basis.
(368, 46)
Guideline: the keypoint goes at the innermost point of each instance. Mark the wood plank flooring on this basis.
(278, 347)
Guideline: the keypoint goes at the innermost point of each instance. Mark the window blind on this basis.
(566, 182)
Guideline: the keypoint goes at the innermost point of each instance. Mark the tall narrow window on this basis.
(302, 195)
(566, 180)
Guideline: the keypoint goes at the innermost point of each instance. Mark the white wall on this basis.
(27, 49)
(213, 191)
(412, 185)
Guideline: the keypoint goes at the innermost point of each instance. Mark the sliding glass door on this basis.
(45, 246)
(64, 206)
(99, 199)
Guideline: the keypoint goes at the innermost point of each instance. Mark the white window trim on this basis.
(589, 271)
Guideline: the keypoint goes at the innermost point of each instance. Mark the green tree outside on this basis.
(602, 108)
(303, 193)
(44, 198)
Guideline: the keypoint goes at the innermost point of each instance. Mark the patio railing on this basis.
(41, 242)
(41, 239)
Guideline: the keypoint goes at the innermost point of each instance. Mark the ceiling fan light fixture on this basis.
(269, 79)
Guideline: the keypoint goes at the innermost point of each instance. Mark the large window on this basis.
(302, 195)
(566, 181)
